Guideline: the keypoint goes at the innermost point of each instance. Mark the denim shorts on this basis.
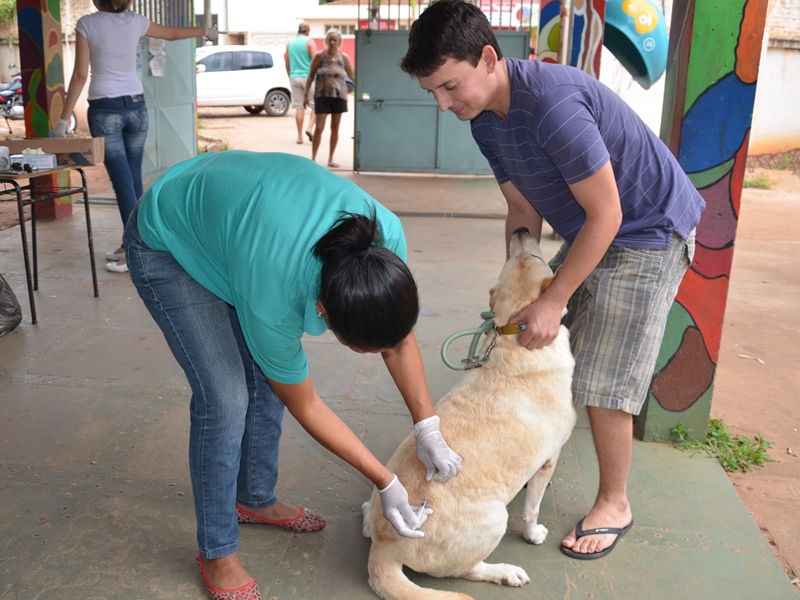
(616, 320)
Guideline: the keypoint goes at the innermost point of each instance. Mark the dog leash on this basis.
(474, 360)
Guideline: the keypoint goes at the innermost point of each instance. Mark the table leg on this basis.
(34, 245)
(21, 209)
(89, 235)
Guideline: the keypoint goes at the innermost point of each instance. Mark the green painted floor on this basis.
(94, 489)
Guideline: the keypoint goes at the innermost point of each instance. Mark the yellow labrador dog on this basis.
(508, 420)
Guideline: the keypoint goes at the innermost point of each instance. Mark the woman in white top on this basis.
(108, 41)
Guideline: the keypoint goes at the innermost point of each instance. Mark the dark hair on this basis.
(447, 29)
(114, 6)
(367, 290)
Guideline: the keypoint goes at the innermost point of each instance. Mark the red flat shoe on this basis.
(307, 521)
(248, 591)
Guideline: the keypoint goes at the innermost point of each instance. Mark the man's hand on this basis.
(542, 322)
(432, 449)
(399, 512)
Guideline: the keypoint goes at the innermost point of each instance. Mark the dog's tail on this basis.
(386, 578)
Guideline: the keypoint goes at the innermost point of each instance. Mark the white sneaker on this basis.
(115, 268)
(113, 257)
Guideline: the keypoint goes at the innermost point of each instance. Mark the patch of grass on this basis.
(8, 8)
(734, 453)
(785, 162)
(758, 182)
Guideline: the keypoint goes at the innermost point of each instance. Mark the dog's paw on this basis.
(514, 576)
(499, 573)
(535, 533)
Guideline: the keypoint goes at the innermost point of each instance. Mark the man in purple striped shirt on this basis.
(564, 148)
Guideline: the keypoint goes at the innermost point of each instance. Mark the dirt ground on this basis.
(756, 385)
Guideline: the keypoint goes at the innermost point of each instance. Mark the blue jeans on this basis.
(123, 121)
(236, 418)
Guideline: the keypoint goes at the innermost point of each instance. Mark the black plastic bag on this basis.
(10, 310)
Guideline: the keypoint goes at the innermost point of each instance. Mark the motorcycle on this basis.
(12, 105)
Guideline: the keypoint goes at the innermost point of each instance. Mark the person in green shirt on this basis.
(237, 255)
(299, 52)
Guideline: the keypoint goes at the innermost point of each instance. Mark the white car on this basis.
(250, 76)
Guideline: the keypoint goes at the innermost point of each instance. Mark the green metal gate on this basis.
(398, 126)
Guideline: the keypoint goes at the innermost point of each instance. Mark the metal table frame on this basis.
(32, 194)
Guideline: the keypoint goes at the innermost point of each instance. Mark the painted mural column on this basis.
(587, 24)
(549, 31)
(588, 21)
(714, 54)
(43, 84)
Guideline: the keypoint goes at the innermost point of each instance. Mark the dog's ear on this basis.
(492, 297)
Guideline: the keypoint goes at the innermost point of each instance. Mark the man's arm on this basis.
(286, 60)
(599, 197)
(521, 213)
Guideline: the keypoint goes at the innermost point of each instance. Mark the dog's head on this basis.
(523, 278)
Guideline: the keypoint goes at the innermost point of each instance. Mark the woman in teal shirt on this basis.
(237, 255)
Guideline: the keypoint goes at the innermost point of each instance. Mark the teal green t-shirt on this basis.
(244, 225)
(299, 59)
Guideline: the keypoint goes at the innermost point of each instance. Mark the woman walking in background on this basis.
(330, 92)
(108, 41)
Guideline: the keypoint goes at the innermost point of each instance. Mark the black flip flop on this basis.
(581, 532)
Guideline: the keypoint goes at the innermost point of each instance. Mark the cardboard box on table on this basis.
(71, 151)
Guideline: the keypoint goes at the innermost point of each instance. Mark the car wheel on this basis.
(254, 110)
(277, 103)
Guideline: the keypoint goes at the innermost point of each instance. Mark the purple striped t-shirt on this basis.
(562, 126)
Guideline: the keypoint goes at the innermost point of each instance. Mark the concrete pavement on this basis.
(95, 489)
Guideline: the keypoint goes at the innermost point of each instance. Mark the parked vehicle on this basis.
(12, 106)
(250, 76)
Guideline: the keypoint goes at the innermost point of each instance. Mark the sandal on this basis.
(581, 532)
(306, 522)
(333, 165)
(310, 135)
(249, 591)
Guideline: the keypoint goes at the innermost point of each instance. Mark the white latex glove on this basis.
(211, 34)
(399, 512)
(60, 130)
(440, 461)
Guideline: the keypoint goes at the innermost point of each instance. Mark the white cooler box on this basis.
(40, 161)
